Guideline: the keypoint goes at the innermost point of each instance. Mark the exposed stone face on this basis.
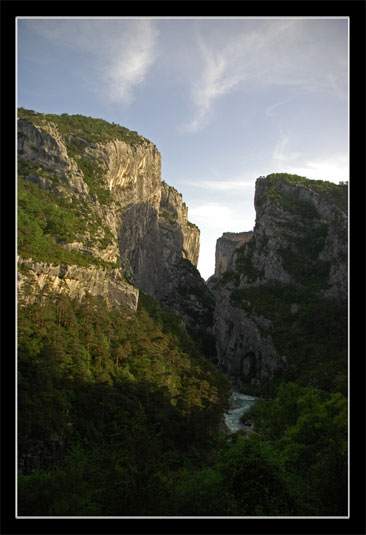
(277, 225)
(243, 347)
(153, 239)
(147, 219)
(76, 282)
(159, 251)
(172, 208)
(41, 147)
(47, 149)
(295, 227)
(225, 247)
(132, 172)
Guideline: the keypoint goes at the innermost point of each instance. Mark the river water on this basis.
(242, 404)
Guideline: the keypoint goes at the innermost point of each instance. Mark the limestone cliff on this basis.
(154, 237)
(294, 262)
(103, 215)
(37, 278)
(225, 247)
(301, 226)
(245, 347)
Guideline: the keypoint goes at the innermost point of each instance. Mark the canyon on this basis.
(144, 390)
(129, 232)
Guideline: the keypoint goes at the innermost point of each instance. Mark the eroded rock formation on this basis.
(225, 247)
(140, 223)
(299, 245)
(35, 278)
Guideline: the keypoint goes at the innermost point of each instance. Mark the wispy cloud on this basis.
(290, 53)
(225, 69)
(218, 78)
(119, 52)
(128, 68)
(282, 153)
(272, 109)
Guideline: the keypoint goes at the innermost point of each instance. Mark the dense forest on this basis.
(135, 413)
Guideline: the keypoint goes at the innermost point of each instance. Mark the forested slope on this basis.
(120, 412)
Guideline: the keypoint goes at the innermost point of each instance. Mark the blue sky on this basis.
(224, 100)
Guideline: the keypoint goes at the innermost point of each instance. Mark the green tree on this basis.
(316, 447)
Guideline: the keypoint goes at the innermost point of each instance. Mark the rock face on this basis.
(244, 347)
(225, 247)
(154, 237)
(47, 149)
(300, 243)
(76, 282)
(309, 224)
(131, 218)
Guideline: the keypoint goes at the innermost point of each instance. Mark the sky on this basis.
(225, 100)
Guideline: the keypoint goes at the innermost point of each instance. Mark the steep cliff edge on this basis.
(281, 305)
(91, 204)
(301, 233)
(225, 247)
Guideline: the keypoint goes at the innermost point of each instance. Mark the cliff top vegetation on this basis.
(91, 129)
(334, 193)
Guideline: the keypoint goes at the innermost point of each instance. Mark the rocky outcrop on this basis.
(292, 216)
(244, 346)
(225, 247)
(47, 150)
(299, 241)
(117, 184)
(174, 211)
(75, 281)
(153, 239)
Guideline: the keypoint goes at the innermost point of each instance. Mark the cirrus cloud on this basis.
(277, 54)
(119, 52)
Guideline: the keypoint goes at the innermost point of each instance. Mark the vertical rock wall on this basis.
(225, 247)
(299, 241)
(147, 219)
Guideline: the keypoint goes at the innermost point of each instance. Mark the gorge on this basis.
(126, 353)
